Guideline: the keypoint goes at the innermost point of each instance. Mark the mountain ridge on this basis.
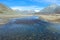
(51, 9)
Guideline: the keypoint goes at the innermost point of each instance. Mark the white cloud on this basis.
(53, 1)
(47, 1)
(36, 8)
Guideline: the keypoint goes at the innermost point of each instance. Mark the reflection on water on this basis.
(55, 27)
(30, 28)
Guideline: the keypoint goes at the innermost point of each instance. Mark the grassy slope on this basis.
(51, 18)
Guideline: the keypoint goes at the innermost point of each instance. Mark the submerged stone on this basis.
(29, 28)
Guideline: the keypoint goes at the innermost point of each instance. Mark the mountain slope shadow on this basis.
(30, 28)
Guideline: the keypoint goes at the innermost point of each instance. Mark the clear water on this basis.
(28, 31)
(55, 27)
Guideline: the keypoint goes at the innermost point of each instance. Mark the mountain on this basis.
(5, 10)
(25, 11)
(51, 9)
(57, 10)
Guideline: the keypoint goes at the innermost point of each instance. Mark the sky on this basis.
(29, 4)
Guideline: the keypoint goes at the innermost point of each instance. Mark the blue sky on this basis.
(29, 4)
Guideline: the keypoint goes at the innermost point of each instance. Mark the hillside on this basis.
(5, 9)
(51, 9)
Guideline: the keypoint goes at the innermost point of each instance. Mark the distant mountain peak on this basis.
(51, 9)
(53, 5)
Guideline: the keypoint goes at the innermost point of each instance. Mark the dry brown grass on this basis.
(6, 18)
(51, 18)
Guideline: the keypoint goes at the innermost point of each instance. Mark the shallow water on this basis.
(38, 30)
(55, 27)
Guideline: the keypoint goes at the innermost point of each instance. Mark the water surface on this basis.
(29, 28)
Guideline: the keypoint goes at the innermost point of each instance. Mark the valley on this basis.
(50, 18)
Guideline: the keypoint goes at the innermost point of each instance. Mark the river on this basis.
(29, 28)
